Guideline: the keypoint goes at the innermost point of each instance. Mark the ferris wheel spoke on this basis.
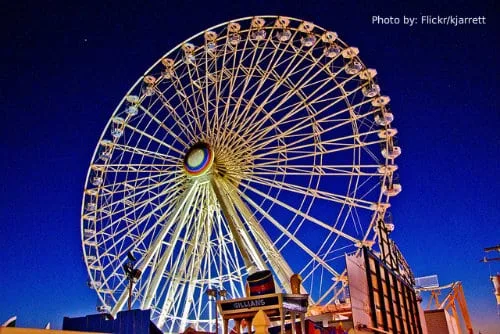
(187, 129)
(365, 185)
(331, 289)
(228, 115)
(218, 89)
(167, 169)
(354, 215)
(246, 247)
(340, 223)
(184, 222)
(122, 295)
(317, 170)
(137, 186)
(284, 79)
(136, 202)
(276, 261)
(112, 244)
(229, 255)
(293, 148)
(162, 125)
(210, 93)
(231, 72)
(239, 103)
(145, 260)
(162, 143)
(300, 107)
(319, 194)
(238, 117)
(291, 236)
(144, 152)
(174, 293)
(106, 211)
(296, 131)
(131, 191)
(129, 214)
(298, 155)
(186, 104)
(180, 266)
(317, 124)
(194, 269)
(174, 299)
(201, 113)
(307, 103)
(187, 116)
(244, 120)
(229, 251)
(302, 214)
(249, 86)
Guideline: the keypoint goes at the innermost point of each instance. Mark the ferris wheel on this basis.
(260, 143)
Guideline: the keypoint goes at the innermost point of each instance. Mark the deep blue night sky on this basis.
(66, 65)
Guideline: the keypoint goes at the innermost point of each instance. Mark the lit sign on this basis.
(248, 303)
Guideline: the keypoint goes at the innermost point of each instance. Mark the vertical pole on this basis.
(282, 320)
(130, 293)
(216, 317)
(302, 323)
(292, 322)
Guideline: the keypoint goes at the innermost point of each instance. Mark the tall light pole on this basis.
(132, 276)
(216, 293)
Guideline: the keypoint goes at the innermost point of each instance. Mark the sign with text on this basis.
(241, 304)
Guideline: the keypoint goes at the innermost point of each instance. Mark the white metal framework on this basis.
(260, 143)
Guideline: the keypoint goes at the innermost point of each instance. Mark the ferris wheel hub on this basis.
(198, 160)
